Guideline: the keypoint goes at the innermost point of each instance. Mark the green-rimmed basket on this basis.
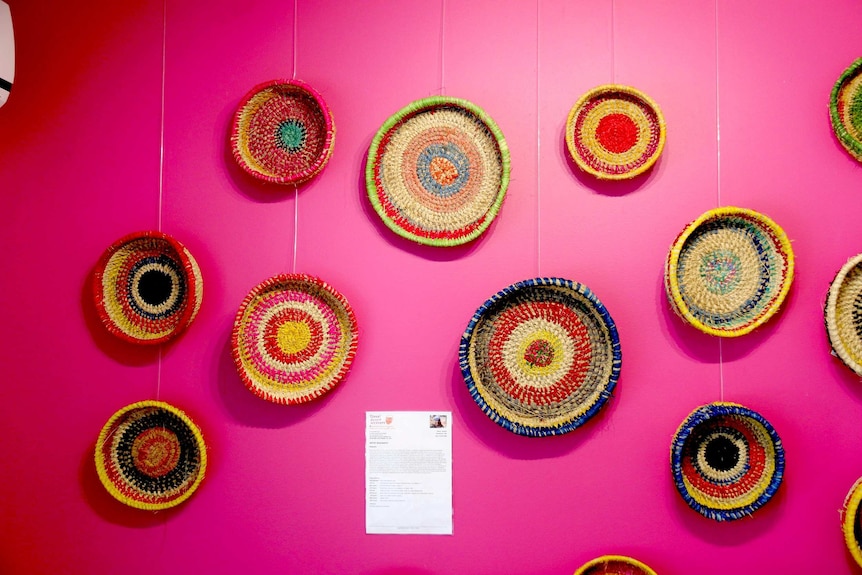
(841, 314)
(437, 171)
(845, 109)
(614, 565)
(851, 521)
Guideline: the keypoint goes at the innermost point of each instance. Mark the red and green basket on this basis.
(614, 565)
(845, 109)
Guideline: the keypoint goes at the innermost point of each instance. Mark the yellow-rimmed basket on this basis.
(614, 565)
(851, 521)
(843, 320)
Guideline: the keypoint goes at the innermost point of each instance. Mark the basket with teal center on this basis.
(845, 109)
(843, 314)
(614, 565)
(437, 171)
(728, 271)
(541, 356)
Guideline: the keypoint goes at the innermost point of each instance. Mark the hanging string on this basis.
(295, 18)
(295, 188)
(162, 168)
(442, 45)
(718, 183)
(538, 151)
(613, 43)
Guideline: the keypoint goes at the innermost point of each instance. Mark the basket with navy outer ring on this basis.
(147, 288)
(437, 171)
(615, 132)
(294, 338)
(150, 455)
(843, 314)
(727, 461)
(283, 132)
(729, 271)
(851, 521)
(614, 565)
(845, 109)
(541, 356)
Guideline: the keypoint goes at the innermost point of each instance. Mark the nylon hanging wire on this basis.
(538, 151)
(295, 187)
(613, 43)
(718, 184)
(162, 168)
(442, 45)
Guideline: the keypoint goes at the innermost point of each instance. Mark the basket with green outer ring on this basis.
(845, 109)
(843, 314)
(150, 455)
(851, 521)
(614, 565)
(729, 271)
(437, 171)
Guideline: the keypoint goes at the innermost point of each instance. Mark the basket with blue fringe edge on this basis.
(614, 565)
(727, 461)
(541, 356)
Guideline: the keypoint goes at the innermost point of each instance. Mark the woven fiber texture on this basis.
(727, 461)
(150, 455)
(147, 288)
(614, 565)
(541, 357)
(728, 272)
(851, 522)
(843, 314)
(294, 339)
(845, 109)
(437, 171)
(615, 132)
(283, 132)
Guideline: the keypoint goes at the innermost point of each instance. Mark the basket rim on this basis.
(582, 570)
(850, 143)
(830, 313)
(848, 520)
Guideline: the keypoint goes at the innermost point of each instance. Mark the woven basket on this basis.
(851, 522)
(147, 288)
(150, 455)
(728, 272)
(845, 109)
(283, 132)
(727, 461)
(437, 171)
(294, 339)
(615, 132)
(843, 320)
(614, 565)
(541, 357)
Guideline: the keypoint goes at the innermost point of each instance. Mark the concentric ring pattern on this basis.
(843, 314)
(845, 109)
(614, 565)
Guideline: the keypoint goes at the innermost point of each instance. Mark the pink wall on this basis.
(80, 167)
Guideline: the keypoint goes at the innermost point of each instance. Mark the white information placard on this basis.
(408, 472)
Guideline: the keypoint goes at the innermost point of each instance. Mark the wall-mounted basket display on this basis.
(615, 132)
(614, 565)
(437, 171)
(851, 521)
(845, 109)
(728, 271)
(283, 132)
(541, 357)
(150, 455)
(727, 461)
(842, 314)
(294, 339)
(147, 288)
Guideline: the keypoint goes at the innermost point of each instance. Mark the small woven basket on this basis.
(294, 338)
(842, 317)
(615, 132)
(541, 357)
(147, 288)
(845, 109)
(437, 171)
(851, 521)
(727, 461)
(729, 271)
(150, 455)
(283, 132)
(614, 565)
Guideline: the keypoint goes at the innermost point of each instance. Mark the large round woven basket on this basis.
(437, 171)
(541, 357)
(851, 521)
(615, 132)
(614, 565)
(728, 271)
(843, 314)
(150, 455)
(147, 288)
(283, 132)
(845, 109)
(727, 461)
(294, 339)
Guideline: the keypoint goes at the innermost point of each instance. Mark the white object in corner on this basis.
(7, 52)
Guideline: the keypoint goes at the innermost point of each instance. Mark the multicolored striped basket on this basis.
(614, 565)
(437, 171)
(728, 271)
(541, 357)
(727, 461)
(283, 132)
(150, 455)
(147, 288)
(842, 317)
(851, 521)
(294, 339)
(615, 132)
(845, 109)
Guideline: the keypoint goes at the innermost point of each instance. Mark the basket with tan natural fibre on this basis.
(614, 565)
(843, 314)
(845, 109)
